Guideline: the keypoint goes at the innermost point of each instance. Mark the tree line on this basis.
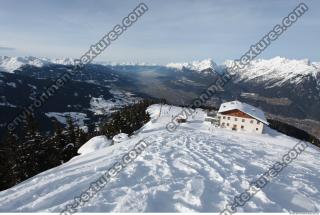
(27, 152)
(129, 119)
(293, 132)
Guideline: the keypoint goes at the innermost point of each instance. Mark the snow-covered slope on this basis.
(120, 98)
(9, 64)
(278, 70)
(195, 168)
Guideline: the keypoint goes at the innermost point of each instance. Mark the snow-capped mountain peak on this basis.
(277, 69)
(9, 64)
(195, 65)
(62, 61)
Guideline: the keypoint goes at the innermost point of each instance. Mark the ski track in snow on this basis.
(189, 170)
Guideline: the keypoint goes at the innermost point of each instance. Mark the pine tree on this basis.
(69, 149)
(71, 135)
(8, 174)
(29, 151)
(82, 138)
(59, 141)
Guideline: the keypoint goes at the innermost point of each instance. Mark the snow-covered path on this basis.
(191, 169)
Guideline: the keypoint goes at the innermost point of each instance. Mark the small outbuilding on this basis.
(212, 118)
(181, 120)
(120, 138)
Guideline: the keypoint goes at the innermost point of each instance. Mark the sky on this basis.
(170, 31)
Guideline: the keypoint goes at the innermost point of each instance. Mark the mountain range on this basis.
(277, 68)
(285, 89)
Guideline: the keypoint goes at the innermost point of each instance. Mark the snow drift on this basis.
(94, 144)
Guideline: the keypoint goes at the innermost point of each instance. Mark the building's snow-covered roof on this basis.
(245, 108)
(210, 117)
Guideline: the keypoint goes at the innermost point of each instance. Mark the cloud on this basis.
(2, 48)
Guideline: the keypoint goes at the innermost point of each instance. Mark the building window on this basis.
(227, 124)
(224, 117)
(257, 129)
(243, 120)
(235, 119)
(223, 124)
(242, 127)
(251, 121)
(228, 117)
(258, 122)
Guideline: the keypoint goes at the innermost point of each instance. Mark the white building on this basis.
(240, 116)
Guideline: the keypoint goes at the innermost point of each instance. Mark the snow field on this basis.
(194, 169)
